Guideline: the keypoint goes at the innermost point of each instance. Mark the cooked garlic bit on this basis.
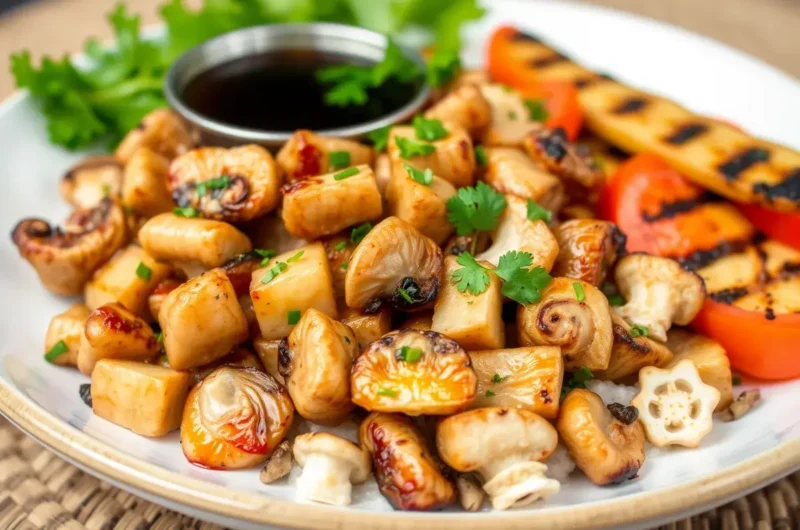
(506, 447)
(587, 249)
(511, 119)
(675, 405)
(331, 465)
(87, 183)
(162, 131)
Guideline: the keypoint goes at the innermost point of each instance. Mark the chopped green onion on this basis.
(58, 349)
(358, 233)
(423, 177)
(341, 245)
(293, 317)
(386, 392)
(489, 393)
(639, 331)
(616, 300)
(580, 294)
(344, 265)
(267, 254)
(537, 110)
(160, 336)
(186, 212)
(339, 159)
(347, 173)
(410, 355)
(497, 378)
(143, 271)
(274, 271)
(405, 295)
(480, 155)
(296, 257)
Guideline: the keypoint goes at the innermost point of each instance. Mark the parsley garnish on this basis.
(360, 232)
(276, 269)
(341, 245)
(423, 177)
(339, 159)
(405, 295)
(475, 209)
(489, 393)
(293, 317)
(537, 110)
(472, 276)
(410, 148)
(539, 213)
(58, 349)
(639, 331)
(347, 173)
(497, 378)
(386, 392)
(580, 294)
(443, 66)
(143, 271)
(186, 212)
(429, 130)
(410, 355)
(480, 155)
(521, 284)
(379, 138)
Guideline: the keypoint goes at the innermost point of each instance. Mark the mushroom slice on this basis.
(368, 327)
(581, 328)
(675, 405)
(574, 164)
(407, 472)
(234, 419)
(511, 172)
(87, 183)
(65, 258)
(161, 131)
(394, 261)
(113, 332)
(516, 232)
(464, 106)
(278, 465)
(414, 372)
(233, 185)
(511, 119)
(193, 245)
(452, 158)
(144, 188)
(631, 352)
(708, 356)
(63, 338)
(331, 465)
(659, 293)
(315, 362)
(505, 447)
(587, 249)
(424, 206)
(312, 207)
(306, 154)
(528, 378)
(268, 351)
(608, 449)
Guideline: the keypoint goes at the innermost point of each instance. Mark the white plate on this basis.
(736, 458)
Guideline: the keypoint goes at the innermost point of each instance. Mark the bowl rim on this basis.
(249, 40)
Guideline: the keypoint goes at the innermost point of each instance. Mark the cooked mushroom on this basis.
(587, 249)
(201, 321)
(516, 232)
(394, 261)
(407, 472)
(306, 154)
(659, 293)
(607, 449)
(65, 258)
(414, 372)
(312, 207)
(144, 188)
(708, 356)
(331, 465)
(675, 405)
(368, 327)
(510, 172)
(315, 362)
(193, 245)
(161, 131)
(452, 158)
(157, 295)
(240, 269)
(289, 283)
(127, 278)
(423, 206)
(338, 248)
(87, 183)
(268, 232)
(234, 419)
(113, 332)
(268, 351)
(506, 448)
(631, 351)
(239, 357)
(528, 378)
(383, 173)
(233, 185)
(511, 119)
(474, 321)
(470, 493)
(464, 106)
(63, 338)
(580, 326)
(278, 465)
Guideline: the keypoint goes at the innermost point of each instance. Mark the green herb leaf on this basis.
(343, 266)
(472, 277)
(341, 245)
(186, 212)
(58, 349)
(521, 284)
(512, 115)
(580, 294)
(293, 317)
(639, 331)
(537, 110)
(410, 148)
(576, 379)
(475, 209)
(386, 392)
(423, 177)
(143, 271)
(407, 297)
(339, 159)
(296, 257)
(443, 66)
(497, 378)
(160, 336)
(410, 355)
(360, 232)
(538, 213)
(266, 253)
(347, 173)
(480, 156)
(429, 130)
(379, 138)
(489, 393)
(616, 300)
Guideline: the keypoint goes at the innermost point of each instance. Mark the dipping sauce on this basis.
(279, 91)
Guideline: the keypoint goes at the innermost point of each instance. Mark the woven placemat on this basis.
(40, 491)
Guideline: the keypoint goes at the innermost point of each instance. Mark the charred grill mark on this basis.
(627, 473)
(788, 189)
(550, 60)
(583, 82)
(791, 268)
(769, 314)
(701, 258)
(686, 132)
(742, 161)
(631, 105)
(619, 240)
(729, 296)
(616, 152)
(672, 209)
(553, 143)
(522, 36)
(622, 335)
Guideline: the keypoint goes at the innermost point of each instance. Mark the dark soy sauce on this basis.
(278, 91)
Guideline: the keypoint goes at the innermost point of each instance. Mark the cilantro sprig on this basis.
(475, 209)
(472, 277)
(429, 130)
(423, 177)
(520, 282)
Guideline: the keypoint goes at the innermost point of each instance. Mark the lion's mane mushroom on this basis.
(414, 372)
(235, 418)
(407, 471)
(510, 172)
(659, 293)
(587, 249)
(516, 232)
(161, 131)
(607, 443)
(631, 352)
(582, 329)
(506, 447)
(65, 258)
(87, 183)
(233, 185)
(394, 261)
(675, 405)
(331, 465)
(315, 362)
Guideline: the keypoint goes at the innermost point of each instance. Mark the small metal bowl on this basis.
(361, 44)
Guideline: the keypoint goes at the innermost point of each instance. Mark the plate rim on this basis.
(196, 495)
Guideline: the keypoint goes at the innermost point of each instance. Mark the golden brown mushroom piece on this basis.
(407, 471)
(452, 158)
(66, 328)
(631, 352)
(464, 106)
(506, 447)
(161, 131)
(144, 188)
(65, 258)
(581, 328)
(708, 356)
(394, 261)
(424, 206)
(233, 185)
(87, 183)
(315, 361)
(157, 295)
(587, 249)
(414, 372)
(331, 465)
(338, 248)
(368, 327)
(306, 154)
(511, 119)
(234, 419)
(607, 443)
(510, 172)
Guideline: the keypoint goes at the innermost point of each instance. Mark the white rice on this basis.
(611, 393)
(560, 464)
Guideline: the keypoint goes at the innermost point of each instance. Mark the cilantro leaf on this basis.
(410, 148)
(538, 213)
(379, 138)
(521, 284)
(360, 232)
(423, 177)
(475, 209)
(443, 66)
(472, 276)
(429, 130)
(511, 262)
(537, 110)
